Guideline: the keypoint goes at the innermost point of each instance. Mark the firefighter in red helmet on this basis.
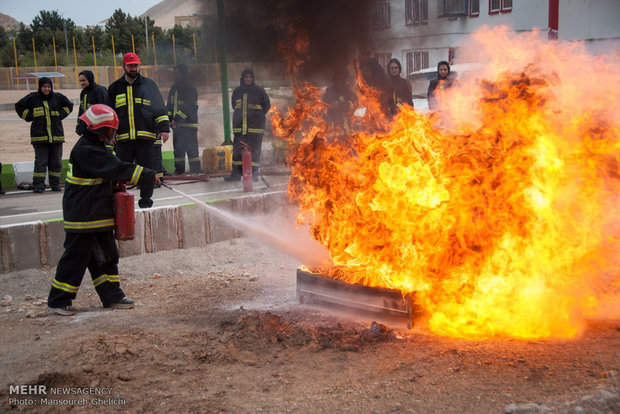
(89, 217)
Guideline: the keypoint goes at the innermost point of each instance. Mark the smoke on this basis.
(335, 29)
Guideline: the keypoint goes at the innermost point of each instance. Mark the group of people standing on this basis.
(121, 130)
(144, 122)
(130, 118)
(391, 90)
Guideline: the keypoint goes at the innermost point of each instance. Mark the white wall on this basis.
(589, 19)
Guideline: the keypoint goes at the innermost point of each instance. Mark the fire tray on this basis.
(386, 304)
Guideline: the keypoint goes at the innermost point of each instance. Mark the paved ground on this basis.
(25, 206)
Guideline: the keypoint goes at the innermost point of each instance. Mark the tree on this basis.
(119, 25)
(24, 38)
(51, 20)
(98, 34)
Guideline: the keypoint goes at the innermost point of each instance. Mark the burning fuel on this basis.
(501, 212)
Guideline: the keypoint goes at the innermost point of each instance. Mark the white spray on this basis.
(307, 251)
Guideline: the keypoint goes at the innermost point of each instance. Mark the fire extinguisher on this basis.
(124, 221)
(246, 167)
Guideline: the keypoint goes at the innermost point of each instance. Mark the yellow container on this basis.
(217, 160)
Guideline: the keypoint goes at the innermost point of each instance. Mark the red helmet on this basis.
(99, 116)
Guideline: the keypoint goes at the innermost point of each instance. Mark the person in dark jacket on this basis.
(250, 104)
(183, 114)
(143, 119)
(340, 99)
(45, 109)
(91, 94)
(88, 211)
(437, 86)
(402, 88)
(375, 78)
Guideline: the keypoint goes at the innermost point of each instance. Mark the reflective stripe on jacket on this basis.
(141, 110)
(45, 115)
(250, 105)
(183, 105)
(88, 201)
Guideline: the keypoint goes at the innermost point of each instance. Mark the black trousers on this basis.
(158, 161)
(47, 159)
(255, 141)
(185, 141)
(96, 252)
(141, 152)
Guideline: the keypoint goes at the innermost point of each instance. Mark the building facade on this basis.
(421, 33)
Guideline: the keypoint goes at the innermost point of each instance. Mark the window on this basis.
(474, 8)
(452, 8)
(496, 6)
(416, 12)
(383, 59)
(416, 61)
(381, 15)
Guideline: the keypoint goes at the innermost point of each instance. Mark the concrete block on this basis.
(55, 240)
(194, 225)
(24, 246)
(63, 172)
(7, 176)
(164, 228)
(219, 229)
(23, 171)
(167, 158)
(249, 205)
(137, 245)
(277, 203)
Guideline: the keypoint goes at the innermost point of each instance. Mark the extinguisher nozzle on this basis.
(166, 185)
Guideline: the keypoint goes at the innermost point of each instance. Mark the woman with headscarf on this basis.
(402, 88)
(250, 105)
(437, 86)
(92, 93)
(45, 109)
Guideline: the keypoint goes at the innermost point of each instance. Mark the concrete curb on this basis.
(39, 245)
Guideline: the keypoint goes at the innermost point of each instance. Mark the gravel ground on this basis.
(218, 329)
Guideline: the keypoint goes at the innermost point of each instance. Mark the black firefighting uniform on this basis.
(88, 205)
(90, 95)
(46, 132)
(158, 160)
(142, 115)
(183, 109)
(250, 104)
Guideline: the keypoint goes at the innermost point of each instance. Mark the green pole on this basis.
(221, 52)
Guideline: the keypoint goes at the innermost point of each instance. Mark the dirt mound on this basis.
(258, 332)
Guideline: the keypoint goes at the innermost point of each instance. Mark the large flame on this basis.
(501, 213)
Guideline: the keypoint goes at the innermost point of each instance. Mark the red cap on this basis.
(131, 59)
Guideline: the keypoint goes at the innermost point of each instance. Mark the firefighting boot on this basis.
(124, 303)
(63, 310)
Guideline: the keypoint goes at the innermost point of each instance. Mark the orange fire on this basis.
(501, 212)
